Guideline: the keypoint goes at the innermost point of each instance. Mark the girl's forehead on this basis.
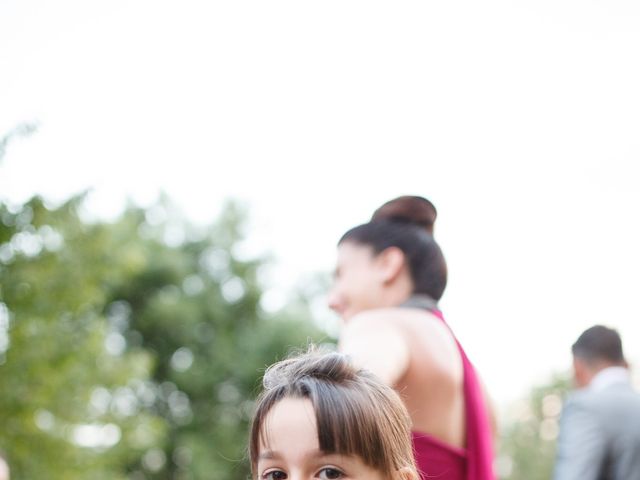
(290, 426)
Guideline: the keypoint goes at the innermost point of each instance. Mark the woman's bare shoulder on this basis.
(412, 323)
(398, 316)
(428, 340)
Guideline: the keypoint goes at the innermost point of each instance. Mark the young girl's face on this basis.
(293, 453)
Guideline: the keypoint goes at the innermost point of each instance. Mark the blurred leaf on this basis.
(528, 444)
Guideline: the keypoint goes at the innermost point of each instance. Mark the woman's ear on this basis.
(406, 473)
(391, 263)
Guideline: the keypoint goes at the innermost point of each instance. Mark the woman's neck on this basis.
(420, 300)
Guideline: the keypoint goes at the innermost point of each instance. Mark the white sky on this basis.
(519, 120)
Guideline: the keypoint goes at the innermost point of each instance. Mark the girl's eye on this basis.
(274, 475)
(330, 474)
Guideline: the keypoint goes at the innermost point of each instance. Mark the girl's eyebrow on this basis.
(268, 455)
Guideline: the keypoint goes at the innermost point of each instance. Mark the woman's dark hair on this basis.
(356, 414)
(407, 223)
(408, 208)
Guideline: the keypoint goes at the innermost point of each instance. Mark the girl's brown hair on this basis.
(356, 414)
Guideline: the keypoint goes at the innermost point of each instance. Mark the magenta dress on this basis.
(437, 460)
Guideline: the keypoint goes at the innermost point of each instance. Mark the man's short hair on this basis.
(599, 343)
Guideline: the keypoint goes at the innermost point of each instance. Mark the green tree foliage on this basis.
(22, 130)
(131, 349)
(197, 308)
(54, 367)
(528, 443)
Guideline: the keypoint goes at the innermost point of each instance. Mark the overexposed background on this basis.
(519, 120)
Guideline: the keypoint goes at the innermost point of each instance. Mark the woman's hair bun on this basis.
(408, 209)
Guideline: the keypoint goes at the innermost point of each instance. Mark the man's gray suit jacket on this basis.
(600, 435)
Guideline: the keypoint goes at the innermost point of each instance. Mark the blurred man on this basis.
(600, 424)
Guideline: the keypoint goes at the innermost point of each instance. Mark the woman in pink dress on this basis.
(390, 275)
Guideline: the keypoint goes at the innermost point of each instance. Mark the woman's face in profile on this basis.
(292, 451)
(357, 280)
